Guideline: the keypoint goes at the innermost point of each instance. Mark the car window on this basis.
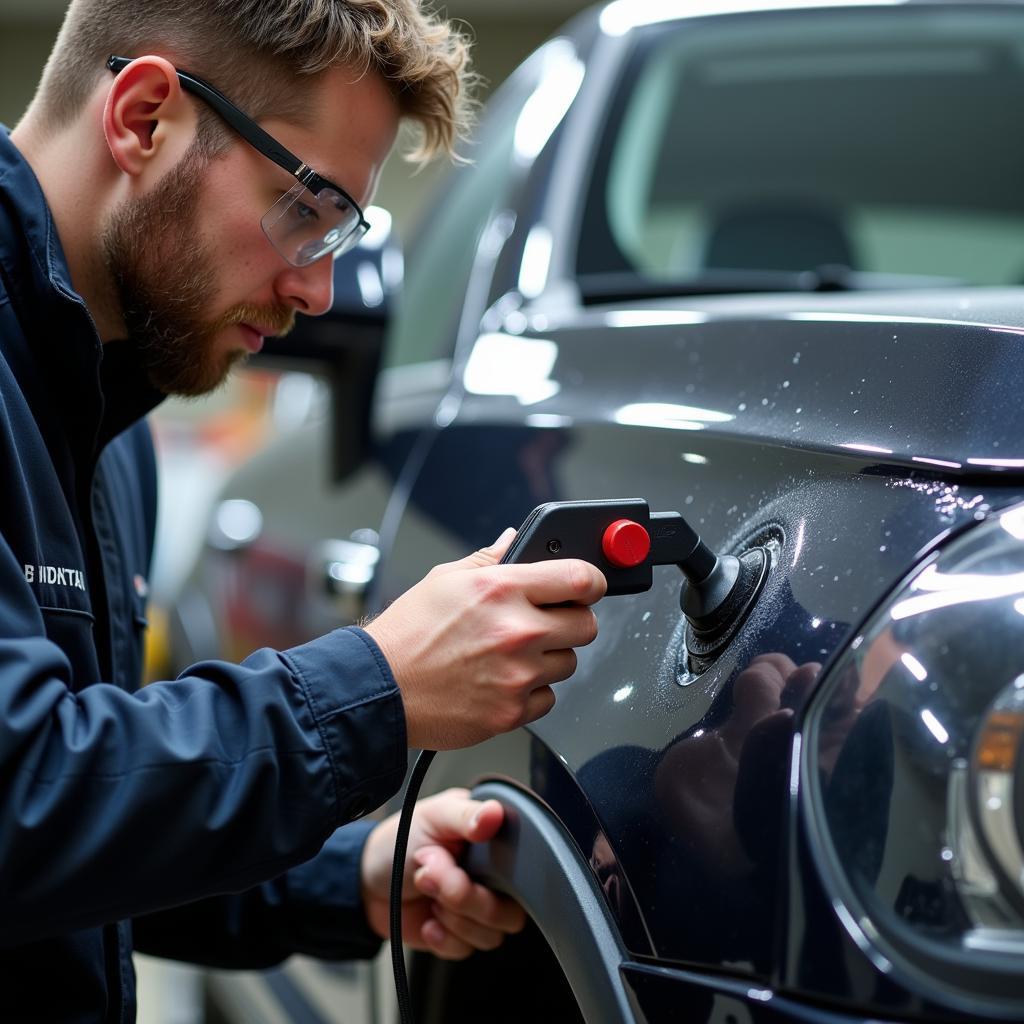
(441, 258)
(885, 142)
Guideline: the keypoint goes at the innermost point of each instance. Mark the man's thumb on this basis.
(493, 553)
(490, 555)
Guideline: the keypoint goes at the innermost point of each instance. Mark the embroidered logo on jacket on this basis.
(55, 575)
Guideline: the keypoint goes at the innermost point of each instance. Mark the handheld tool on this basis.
(625, 540)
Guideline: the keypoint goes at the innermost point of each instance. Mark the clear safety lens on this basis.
(303, 226)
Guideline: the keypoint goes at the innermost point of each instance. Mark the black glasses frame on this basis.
(259, 139)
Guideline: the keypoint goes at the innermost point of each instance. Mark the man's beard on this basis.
(164, 275)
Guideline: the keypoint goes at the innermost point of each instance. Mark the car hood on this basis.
(1001, 306)
(925, 380)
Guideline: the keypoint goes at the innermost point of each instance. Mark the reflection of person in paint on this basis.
(708, 783)
(706, 835)
(703, 782)
(852, 693)
(602, 860)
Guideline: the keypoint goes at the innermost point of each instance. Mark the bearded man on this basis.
(174, 194)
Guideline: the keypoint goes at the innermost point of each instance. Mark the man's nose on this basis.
(310, 289)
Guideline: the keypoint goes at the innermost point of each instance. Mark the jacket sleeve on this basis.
(315, 908)
(114, 804)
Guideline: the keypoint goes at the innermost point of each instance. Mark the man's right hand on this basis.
(475, 646)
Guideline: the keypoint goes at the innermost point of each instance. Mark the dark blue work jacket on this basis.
(127, 816)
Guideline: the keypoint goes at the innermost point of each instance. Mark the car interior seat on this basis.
(777, 236)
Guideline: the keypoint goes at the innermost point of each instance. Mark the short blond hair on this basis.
(262, 53)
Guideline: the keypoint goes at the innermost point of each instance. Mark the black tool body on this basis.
(625, 540)
(574, 529)
(580, 529)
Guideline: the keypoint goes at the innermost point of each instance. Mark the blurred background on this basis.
(200, 441)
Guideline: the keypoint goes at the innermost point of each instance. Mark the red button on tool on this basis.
(626, 544)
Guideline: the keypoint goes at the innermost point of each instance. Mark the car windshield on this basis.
(853, 149)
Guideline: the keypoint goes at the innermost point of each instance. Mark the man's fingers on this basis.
(476, 935)
(568, 627)
(484, 907)
(490, 555)
(559, 581)
(540, 701)
(755, 694)
(442, 943)
(448, 885)
(493, 553)
(454, 815)
(441, 878)
(782, 663)
(799, 684)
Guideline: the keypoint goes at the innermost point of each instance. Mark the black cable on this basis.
(397, 874)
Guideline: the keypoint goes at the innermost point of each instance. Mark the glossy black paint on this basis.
(664, 995)
(693, 874)
(859, 376)
(687, 823)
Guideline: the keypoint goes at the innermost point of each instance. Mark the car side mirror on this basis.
(344, 345)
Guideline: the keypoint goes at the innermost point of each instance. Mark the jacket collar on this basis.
(101, 389)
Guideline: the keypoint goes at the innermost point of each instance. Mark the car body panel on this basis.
(623, 727)
(825, 374)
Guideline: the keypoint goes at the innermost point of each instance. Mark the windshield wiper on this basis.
(625, 286)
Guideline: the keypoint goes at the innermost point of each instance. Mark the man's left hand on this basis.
(443, 909)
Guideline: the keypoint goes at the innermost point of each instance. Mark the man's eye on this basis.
(304, 212)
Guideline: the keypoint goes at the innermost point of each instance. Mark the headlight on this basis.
(915, 774)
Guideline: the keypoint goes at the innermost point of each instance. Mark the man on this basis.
(152, 232)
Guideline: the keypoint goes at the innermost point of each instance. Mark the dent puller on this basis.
(625, 540)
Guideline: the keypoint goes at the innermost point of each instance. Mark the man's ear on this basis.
(148, 122)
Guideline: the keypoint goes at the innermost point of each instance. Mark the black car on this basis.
(761, 266)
